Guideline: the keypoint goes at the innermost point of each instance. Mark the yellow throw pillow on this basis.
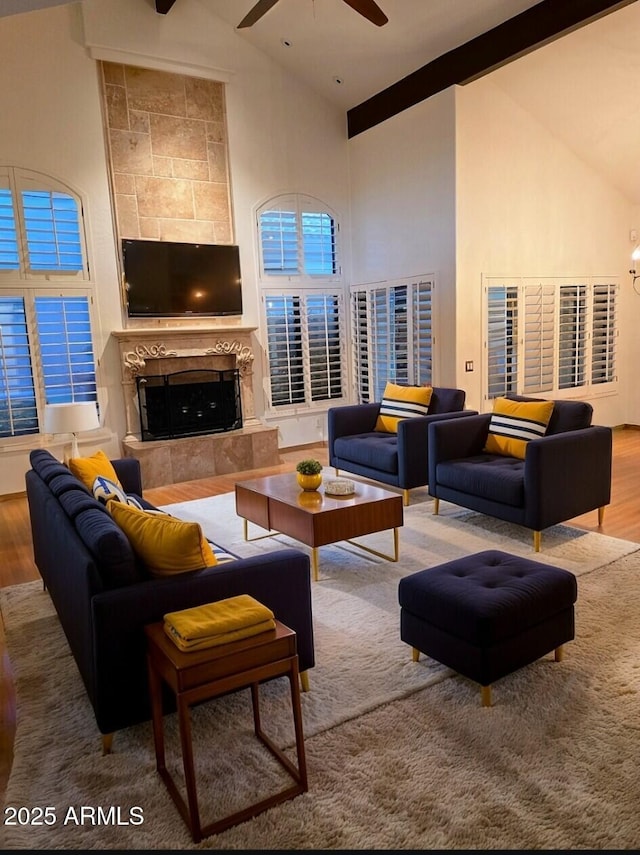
(514, 423)
(87, 469)
(164, 544)
(402, 402)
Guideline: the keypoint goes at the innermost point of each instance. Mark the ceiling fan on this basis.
(370, 10)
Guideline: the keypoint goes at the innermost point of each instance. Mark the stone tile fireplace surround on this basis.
(146, 352)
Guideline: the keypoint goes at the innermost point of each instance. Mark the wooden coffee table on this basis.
(278, 505)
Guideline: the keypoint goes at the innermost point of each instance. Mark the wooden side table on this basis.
(204, 674)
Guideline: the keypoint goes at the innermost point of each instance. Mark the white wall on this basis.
(528, 206)
(403, 209)
(283, 137)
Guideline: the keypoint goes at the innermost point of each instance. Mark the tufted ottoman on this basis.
(487, 614)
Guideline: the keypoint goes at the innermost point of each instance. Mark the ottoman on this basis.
(488, 614)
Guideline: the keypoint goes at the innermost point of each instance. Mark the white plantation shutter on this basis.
(502, 340)
(18, 410)
(572, 336)
(66, 348)
(392, 335)
(604, 333)
(322, 323)
(539, 337)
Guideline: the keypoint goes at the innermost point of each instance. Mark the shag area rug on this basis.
(400, 755)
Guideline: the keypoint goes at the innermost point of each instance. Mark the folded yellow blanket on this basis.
(218, 623)
(216, 640)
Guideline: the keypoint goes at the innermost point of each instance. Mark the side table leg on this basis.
(297, 721)
(155, 693)
(184, 718)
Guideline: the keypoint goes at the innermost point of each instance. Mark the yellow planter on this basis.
(309, 482)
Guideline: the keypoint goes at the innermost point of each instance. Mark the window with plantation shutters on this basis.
(392, 335)
(41, 233)
(46, 341)
(545, 336)
(297, 237)
(303, 304)
(304, 348)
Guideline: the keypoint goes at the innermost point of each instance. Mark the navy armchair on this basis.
(399, 459)
(565, 473)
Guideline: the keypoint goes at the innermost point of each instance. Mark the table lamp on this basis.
(71, 418)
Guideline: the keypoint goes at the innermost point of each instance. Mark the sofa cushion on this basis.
(75, 502)
(374, 450)
(60, 484)
(87, 469)
(46, 465)
(514, 423)
(402, 402)
(164, 544)
(111, 550)
(494, 477)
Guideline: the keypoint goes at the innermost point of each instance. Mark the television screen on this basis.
(168, 279)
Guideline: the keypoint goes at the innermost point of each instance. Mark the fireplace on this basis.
(182, 453)
(189, 403)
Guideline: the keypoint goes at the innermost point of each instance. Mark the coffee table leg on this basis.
(396, 547)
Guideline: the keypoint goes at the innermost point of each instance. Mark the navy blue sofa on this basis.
(397, 459)
(565, 473)
(104, 597)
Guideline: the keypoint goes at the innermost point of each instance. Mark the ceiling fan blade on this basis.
(371, 11)
(260, 9)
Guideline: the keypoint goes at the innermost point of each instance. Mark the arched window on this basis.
(304, 321)
(46, 345)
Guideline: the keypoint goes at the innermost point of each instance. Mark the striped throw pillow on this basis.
(402, 402)
(514, 423)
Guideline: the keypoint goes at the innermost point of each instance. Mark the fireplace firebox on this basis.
(189, 403)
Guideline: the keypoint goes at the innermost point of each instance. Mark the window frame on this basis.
(27, 284)
(299, 203)
(419, 365)
(558, 318)
(303, 289)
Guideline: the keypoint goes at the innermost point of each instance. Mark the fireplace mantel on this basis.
(147, 351)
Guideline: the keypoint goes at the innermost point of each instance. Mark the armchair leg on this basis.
(536, 540)
(107, 742)
(304, 681)
(405, 498)
(337, 471)
(436, 506)
(601, 515)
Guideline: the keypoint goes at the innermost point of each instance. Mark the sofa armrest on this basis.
(280, 579)
(413, 445)
(452, 439)
(567, 474)
(349, 420)
(129, 474)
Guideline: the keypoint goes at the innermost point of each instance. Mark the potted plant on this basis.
(309, 474)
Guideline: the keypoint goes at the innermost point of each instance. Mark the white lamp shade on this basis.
(70, 418)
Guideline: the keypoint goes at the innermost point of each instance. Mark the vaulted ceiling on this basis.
(584, 86)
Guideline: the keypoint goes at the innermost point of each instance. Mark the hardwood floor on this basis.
(16, 560)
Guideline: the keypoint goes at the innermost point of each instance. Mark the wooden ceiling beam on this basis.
(531, 29)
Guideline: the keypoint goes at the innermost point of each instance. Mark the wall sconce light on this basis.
(635, 257)
(71, 418)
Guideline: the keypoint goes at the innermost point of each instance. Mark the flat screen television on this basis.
(165, 279)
